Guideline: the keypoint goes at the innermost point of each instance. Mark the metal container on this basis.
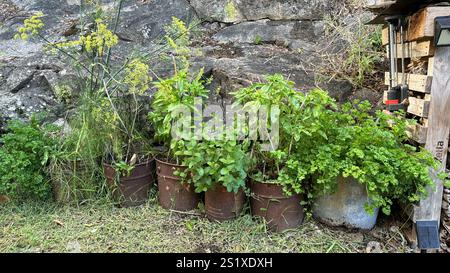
(280, 212)
(346, 206)
(222, 205)
(132, 190)
(172, 193)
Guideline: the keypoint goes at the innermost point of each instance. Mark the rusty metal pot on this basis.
(4, 199)
(222, 205)
(132, 190)
(280, 212)
(172, 193)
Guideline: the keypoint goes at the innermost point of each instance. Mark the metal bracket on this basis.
(398, 90)
(428, 234)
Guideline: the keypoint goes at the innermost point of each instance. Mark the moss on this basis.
(257, 40)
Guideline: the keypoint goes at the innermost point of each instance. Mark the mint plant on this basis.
(304, 120)
(215, 162)
(180, 90)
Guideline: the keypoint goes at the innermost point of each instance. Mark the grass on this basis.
(100, 227)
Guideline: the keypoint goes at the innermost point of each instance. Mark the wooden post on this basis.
(438, 133)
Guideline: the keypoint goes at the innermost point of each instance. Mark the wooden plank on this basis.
(421, 24)
(385, 36)
(416, 82)
(437, 135)
(418, 133)
(400, 7)
(430, 66)
(415, 49)
(418, 107)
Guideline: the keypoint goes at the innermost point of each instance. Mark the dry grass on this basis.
(105, 228)
(351, 49)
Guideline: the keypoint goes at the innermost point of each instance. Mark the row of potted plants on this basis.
(328, 157)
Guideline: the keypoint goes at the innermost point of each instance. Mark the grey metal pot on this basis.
(346, 206)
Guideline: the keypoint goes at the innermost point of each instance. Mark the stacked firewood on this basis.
(445, 231)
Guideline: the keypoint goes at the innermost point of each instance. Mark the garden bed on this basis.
(268, 135)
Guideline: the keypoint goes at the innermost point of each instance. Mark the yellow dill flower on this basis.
(100, 40)
(68, 44)
(179, 25)
(177, 37)
(137, 77)
(178, 30)
(31, 26)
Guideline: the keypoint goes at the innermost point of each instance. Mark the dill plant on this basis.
(108, 124)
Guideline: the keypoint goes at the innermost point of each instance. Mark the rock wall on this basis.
(240, 41)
